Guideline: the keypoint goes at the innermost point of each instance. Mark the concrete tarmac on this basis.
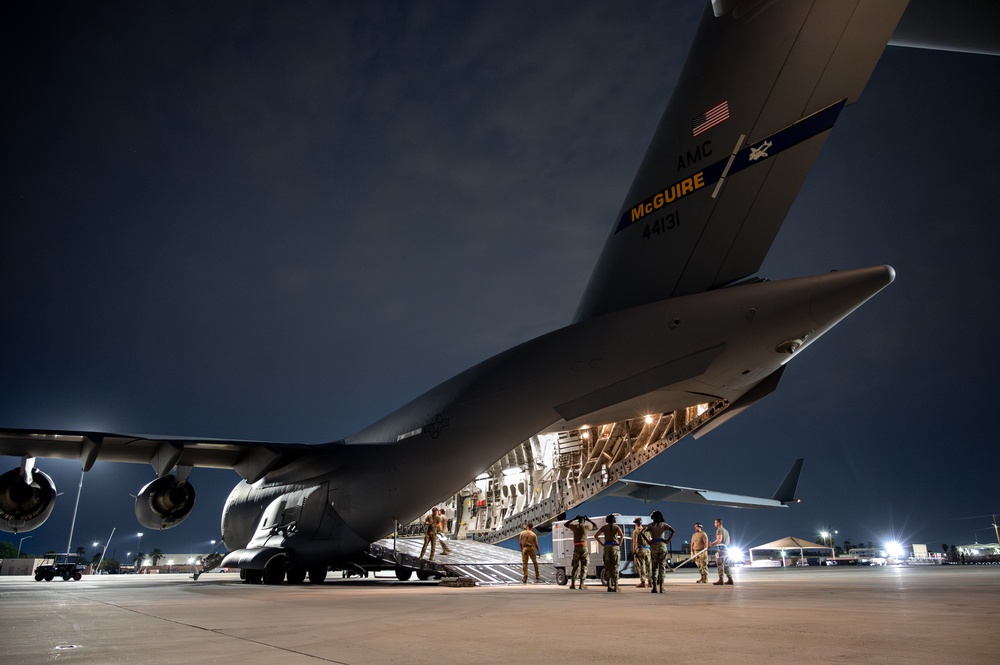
(903, 614)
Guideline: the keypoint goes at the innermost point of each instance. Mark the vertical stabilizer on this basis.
(763, 84)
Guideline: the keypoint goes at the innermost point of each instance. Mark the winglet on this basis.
(786, 491)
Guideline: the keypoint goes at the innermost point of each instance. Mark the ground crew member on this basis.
(442, 529)
(660, 534)
(640, 552)
(430, 533)
(721, 544)
(581, 555)
(699, 550)
(613, 538)
(529, 549)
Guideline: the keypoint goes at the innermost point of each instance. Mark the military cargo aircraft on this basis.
(673, 336)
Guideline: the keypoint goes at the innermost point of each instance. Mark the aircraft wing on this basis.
(251, 459)
(763, 84)
(653, 492)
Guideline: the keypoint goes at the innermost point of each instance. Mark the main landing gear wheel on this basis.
(274, 571)
(317, 575)
(252, 576)
(296, 575)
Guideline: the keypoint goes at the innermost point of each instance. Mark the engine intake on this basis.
(25, 506)
(164, 503)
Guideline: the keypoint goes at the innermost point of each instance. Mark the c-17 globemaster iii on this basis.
(674, 334)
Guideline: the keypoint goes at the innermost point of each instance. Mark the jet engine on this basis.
(26, 499)
(164, 503)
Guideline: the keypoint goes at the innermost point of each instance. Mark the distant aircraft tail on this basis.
(762, 86)
(786, 491)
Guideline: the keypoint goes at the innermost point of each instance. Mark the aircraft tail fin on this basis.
(762, 86)
(786, 491)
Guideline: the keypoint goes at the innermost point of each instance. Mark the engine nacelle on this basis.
(25, 506)
(164, 503)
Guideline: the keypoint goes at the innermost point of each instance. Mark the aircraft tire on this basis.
(296, 575)
(274, 571)
(317, 575)
(253, 576)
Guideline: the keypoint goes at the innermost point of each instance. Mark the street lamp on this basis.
(19, 544)
(139, 553)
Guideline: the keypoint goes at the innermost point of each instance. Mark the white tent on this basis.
(792, 543)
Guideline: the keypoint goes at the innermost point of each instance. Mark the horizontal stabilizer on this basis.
(653, 492)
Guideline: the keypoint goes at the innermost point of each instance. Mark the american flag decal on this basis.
(710, 118)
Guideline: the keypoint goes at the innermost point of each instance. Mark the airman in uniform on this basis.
(430, 533)
(660, 534)
(613, 538)
(581, 555)
(442, 529)
(721, 544)
(699, 550)
(529, 550)
(640, 552)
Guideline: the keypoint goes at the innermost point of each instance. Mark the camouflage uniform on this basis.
(721, 555)
(442, 528)
(612, 552)
(430, 534)
(529, 546)
(581, 555)
(659, 553)
(641, 553)
(699, 543)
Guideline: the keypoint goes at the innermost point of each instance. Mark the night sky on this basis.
(281, 221)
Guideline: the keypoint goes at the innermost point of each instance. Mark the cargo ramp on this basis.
(485, 564)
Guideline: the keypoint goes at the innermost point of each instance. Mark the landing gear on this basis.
(274, 571)
(317, 574)
(296, 575)
(252, 576)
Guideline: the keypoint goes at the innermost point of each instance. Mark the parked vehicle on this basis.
(69, 566)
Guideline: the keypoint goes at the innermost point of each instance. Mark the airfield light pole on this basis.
(105, 550)
(72, 525)
(139, 553)
(19, 544)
